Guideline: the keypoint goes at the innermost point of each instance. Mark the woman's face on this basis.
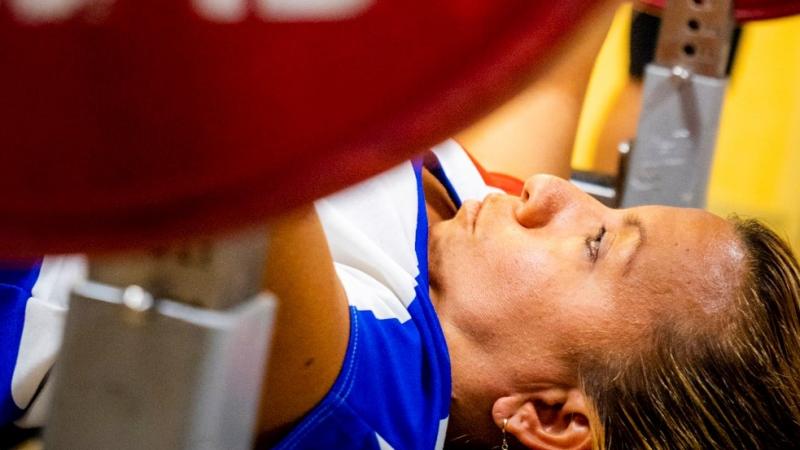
(555, 269)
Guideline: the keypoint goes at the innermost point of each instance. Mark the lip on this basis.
(472, 209)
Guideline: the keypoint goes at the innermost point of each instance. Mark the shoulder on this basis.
(372, 232)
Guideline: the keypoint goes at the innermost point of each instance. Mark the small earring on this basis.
(504, 445)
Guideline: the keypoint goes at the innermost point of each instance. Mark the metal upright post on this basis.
(671, 158)
(165, 349)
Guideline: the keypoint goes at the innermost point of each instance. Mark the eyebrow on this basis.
(631, 220)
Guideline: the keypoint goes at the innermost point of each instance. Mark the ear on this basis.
(551, 418)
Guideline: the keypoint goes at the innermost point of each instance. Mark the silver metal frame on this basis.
(671, 158)
(165, 349)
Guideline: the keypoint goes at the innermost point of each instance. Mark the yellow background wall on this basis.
(756, 168)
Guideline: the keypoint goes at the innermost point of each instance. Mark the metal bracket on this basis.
(696, 35)
(165, 349)
(671, 158)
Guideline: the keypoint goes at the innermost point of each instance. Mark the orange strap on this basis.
(509, 184)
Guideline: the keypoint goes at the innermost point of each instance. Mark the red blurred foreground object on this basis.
(128, 122)
(747, 10)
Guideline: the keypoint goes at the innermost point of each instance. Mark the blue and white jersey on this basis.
(393, 391)
(33, 303)
(394, 387)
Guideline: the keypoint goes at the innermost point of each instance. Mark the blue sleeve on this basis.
(16, 284)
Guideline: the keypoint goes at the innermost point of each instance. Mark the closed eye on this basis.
(593, 243)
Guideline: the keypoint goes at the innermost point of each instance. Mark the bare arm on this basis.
(312, 325)
(535, 131)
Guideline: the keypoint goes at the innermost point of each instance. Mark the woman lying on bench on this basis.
(420, 307)
(425, 308)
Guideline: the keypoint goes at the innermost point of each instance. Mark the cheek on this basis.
(532, 261)
(524, 272)
(518, 269)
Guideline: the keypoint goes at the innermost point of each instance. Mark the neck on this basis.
(469, 414)
(438, 203)
(473, 392)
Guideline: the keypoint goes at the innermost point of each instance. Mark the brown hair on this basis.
(734, 384)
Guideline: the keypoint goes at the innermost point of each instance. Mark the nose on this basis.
(545, 197)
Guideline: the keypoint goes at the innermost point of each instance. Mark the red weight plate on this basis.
(747, 10)
(127, 122)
